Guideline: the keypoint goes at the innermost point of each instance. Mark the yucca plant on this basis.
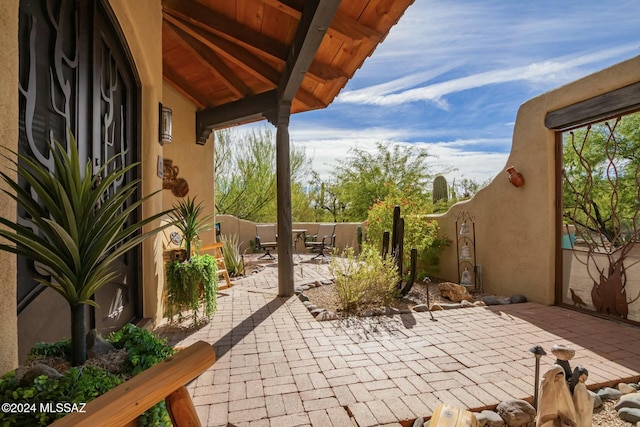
(75, 229)
(232, 258)
(187, 216)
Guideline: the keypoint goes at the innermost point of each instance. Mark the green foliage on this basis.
(82, 384)
(245, 175)
(440, 190)
(61, 348)
(77, 226)
(419, 232)
(363, 282)
(188, 281)
(144, 348)
(231, 253)
(187, 216)
(601, 164)
(364, 178)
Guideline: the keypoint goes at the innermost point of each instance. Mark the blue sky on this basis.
(451, 75)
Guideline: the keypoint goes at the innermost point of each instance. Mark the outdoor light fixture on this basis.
(165, 135)
(538, 352)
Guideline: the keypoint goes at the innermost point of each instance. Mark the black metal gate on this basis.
(76, 75)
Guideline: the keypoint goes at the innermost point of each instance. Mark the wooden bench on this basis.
(166, 381)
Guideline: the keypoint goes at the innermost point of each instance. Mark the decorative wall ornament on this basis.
(170, 181)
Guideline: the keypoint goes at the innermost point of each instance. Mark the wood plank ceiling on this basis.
(219, 52)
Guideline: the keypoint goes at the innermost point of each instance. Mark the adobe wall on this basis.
(515, 227)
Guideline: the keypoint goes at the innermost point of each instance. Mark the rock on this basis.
(454, 292)
(389, 311)
(26, 376)
(630, 415)
(421, 308)
(465, 303)
(317, 311)
(597, 401)
(609, 393)
(479, 304)
(516, 413)
(451, 306)
(562, 352)
(326, 282)
(307, 303)
(436, 307)
(326, 315)
(97, 345)
(492, 419)
(628, 401)
(419, 422)
(311, 307)
(491, 300)
(305, 287)
(635, 385)
(303, 297)
(482, 420)
(626, 388)
(518, 299)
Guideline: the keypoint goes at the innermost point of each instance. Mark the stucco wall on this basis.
(141, 23)
(515, 227)
(8, 139)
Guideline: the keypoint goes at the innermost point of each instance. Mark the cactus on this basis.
(397, 248)
(440, 189)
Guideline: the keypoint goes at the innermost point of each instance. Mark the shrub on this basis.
(363, 282)
(419, 232)
(231, 252)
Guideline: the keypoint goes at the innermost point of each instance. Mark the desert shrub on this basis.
(363, 282)
(231, 253)
(419, 232)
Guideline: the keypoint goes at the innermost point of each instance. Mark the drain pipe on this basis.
(537, 352)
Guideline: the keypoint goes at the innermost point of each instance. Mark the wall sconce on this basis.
(515, 177)
(165, 134)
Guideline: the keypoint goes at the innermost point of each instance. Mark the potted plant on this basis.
(196, 278)
(75, 227)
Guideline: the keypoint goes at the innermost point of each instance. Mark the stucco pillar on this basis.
(8, 139)
(283, 182)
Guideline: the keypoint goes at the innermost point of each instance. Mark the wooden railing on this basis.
(166, 381)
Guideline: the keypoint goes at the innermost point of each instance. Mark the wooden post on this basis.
(181, 409)
(283, 182)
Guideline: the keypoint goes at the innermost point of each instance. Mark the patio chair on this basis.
(324, 240)
(266, 239)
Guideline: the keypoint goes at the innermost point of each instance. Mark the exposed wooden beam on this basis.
(207, 19)
(343, 27)
(182, 85)
(602, 107)
(240, 56)
(244, 110)
(211, 61)
(324, 73)
(314, 22)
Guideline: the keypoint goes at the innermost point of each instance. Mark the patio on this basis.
(276, 365)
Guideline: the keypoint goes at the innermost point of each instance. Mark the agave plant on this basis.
(187, 216)
(75, 229)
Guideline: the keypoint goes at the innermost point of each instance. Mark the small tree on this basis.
(77, 230)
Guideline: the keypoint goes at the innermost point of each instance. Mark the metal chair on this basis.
(324, 240)
(266, 239)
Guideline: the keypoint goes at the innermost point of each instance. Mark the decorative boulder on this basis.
(630, 415)
(491, 300)
(562, 352)
(516, 413)
(421, 308)
(491, 419)
(609, 393)
(628, 401)
(518, 299)
(26, 377)
(626, 388)
(326, 315)
(97, 345)
(454, 292)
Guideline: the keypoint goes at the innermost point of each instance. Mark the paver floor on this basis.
(277, 366)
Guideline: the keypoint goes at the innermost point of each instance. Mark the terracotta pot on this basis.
(181, 188)
(515, 177)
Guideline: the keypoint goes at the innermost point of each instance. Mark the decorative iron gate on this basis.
(76, 76)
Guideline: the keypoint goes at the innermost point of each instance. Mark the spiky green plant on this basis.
(231, 253)
(75, 229)
(187, 216)
(440, 190)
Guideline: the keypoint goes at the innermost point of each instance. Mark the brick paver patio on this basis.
(277, 366)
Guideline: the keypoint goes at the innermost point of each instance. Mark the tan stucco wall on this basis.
(8, 139)
(195, 162)
(141, 22)
(515, 227)
(346, 232)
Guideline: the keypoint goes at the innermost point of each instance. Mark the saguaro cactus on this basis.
(440, 189)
